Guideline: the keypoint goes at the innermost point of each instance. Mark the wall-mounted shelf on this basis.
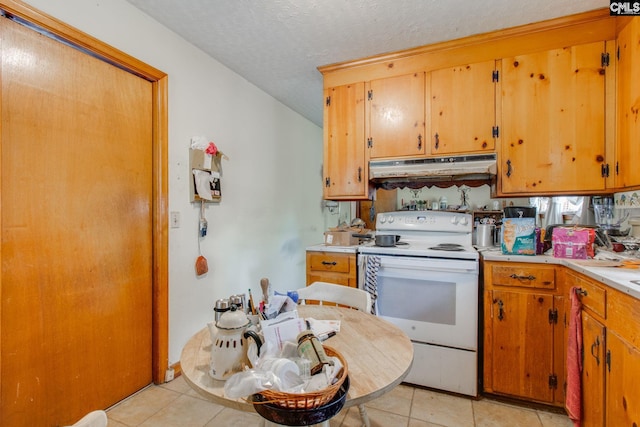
(205, 171)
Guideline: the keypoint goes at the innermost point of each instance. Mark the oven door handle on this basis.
(449, 266)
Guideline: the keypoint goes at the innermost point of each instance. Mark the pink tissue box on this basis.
(573, 242)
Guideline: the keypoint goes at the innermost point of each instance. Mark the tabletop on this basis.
(378, 354)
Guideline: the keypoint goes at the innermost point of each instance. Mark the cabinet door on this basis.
(553, 127)
(593, 338)
(628, 95)
(396, 116)
(522, 345)
(623, 387)
(345, 171)
(463, 109)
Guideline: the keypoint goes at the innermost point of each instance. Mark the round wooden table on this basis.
(378, 353)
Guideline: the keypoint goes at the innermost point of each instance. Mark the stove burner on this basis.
(451, 247)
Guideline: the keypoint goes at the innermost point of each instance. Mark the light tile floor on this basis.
(176, 404)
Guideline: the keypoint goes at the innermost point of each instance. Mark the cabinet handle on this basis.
(596, 346)
(581, 292)
(437, 140)
(500, 308)
(328, 263)
(508, 168)
(419, 142)
(359, 174)
(529, 277)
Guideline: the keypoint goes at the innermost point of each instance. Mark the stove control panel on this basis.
(425, 221)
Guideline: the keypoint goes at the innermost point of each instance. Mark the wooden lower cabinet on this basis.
(611, 361)
(523, 332)
(525, 350)
(622, 385)
(333, 267)
(522, 356)
(593, 371)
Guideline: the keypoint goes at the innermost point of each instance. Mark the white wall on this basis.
(271, 204)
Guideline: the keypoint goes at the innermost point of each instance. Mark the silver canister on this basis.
(485, 235)
(239, 301)
(222, 305)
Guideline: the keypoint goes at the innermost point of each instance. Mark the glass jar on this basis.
(310, 347)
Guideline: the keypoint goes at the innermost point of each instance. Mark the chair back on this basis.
(338, 294)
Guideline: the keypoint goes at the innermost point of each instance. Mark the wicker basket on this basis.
(308, 400)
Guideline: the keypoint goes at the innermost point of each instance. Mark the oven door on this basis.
(432, 300)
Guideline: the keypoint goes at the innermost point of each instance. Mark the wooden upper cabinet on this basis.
(396, 116)
(627, 172)
(553, 121)
(345, 170)
(463, 109)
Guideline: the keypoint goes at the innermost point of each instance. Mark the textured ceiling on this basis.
(278, 44)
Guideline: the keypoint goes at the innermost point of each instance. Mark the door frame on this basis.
(159, 80)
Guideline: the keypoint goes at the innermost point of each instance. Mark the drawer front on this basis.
(325, 261)
(592, 296)
(541, 277)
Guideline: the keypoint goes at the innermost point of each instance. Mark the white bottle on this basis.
(443, 203)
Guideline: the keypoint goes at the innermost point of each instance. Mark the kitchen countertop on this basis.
(330, 248)
(618, 278)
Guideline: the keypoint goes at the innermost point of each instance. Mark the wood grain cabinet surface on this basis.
(523, 332)
(396, 118)
(560, 107)
(553, 120)
(627, 151)
(345, 169)
(332, 267)
(526, 334)
(462, 105)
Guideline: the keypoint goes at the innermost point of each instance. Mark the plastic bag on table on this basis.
(249, 382)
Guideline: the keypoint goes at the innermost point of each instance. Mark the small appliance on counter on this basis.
(607, 217)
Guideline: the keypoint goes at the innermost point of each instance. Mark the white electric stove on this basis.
(427, 284)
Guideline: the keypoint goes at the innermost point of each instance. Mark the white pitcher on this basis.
(229, 343)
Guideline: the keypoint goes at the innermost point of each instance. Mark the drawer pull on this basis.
(581, 292)
(529, 277)
(328, 263)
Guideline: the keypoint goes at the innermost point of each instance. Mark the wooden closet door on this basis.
(76, 223)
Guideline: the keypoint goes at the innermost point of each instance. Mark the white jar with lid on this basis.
(443, 203)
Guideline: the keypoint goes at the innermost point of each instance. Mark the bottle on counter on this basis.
(443, 203)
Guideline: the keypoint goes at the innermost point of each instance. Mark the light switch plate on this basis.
(174, 219)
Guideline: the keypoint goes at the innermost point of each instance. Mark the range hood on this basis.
(481, 167)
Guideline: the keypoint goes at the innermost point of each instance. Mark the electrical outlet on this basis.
(175, 219)
(168, 375)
